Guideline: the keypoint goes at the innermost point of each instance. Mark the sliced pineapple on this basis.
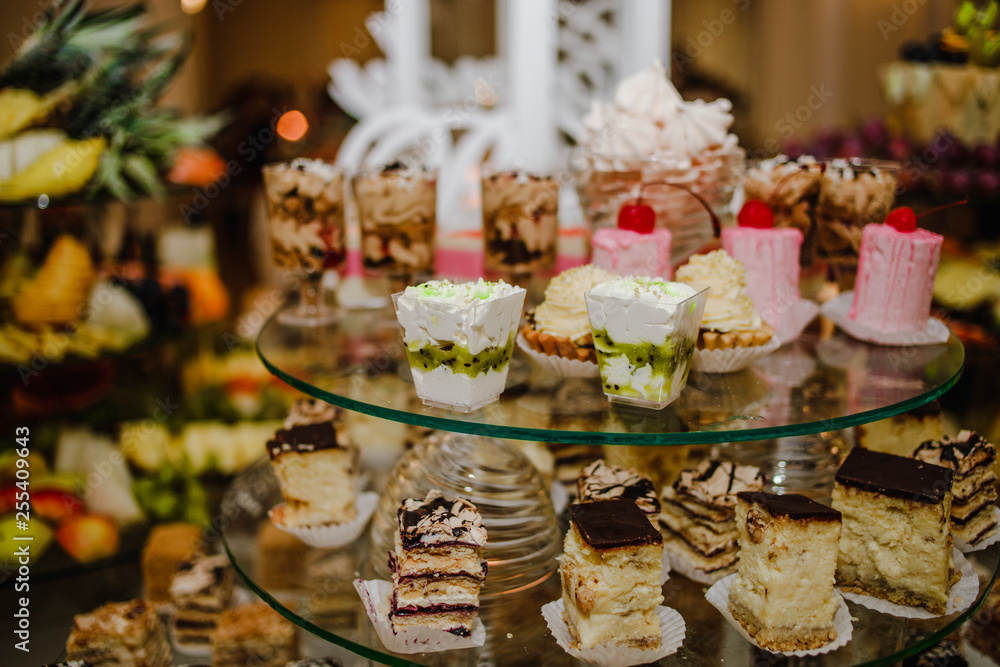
(47, 162)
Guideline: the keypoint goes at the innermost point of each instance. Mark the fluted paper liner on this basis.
(989, 540)
(962, 595)
(672, 632)
(837, 309)
(676, 562)
(567, 368)
(718, 597)
(334, 535)
(731, 359)
(376, 595)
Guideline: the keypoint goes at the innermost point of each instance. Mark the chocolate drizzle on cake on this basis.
(792, 505)
(612, 524)
(600, 481)
(715, 482)
(441, 521)
(303, 439)
(895, 476)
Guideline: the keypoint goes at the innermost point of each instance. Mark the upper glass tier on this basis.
(808, 386)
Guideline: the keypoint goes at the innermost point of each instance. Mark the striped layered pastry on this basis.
(698, 515)
(437, 565)
(973, 483)
(601, 481)
(201, 590)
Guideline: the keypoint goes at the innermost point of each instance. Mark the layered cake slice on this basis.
(610, 574)
(201, 590)
(902, 433)
(316, 471)
(698, 515)
(437, 565)
(168, 545)
(253, 634)
(896, 541)
(783, 593)
(973, 485)
(119, 634)
(600, 481)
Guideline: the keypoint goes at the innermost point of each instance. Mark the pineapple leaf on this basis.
(142, 171)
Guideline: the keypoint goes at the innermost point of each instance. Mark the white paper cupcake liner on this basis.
(732, 359)
(376, 595)
(672, 632)
(718, 597)
(569, 368)
(559, 497)
(676, 562)
(793, 321)
(990, 540)
(836, 309)
(962, 595)
(334, 535)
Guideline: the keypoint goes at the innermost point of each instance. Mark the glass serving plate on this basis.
(317, 594)
(809, 386)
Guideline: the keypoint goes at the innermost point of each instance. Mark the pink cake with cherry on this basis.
(632, 253)
(771, 259)
(896, 269)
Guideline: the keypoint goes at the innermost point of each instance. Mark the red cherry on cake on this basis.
(756, 214)
(637, 217)
(902, 219)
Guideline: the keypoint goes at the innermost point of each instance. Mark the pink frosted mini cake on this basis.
(771, 259)
(896, 269)
(631, 253)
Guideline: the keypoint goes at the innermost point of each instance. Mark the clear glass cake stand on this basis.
(779, 408)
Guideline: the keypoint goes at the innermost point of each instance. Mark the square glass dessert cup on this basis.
(606, 183)
(459, 355)
(644, 347)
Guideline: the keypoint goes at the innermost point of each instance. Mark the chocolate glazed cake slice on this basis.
(437, 565)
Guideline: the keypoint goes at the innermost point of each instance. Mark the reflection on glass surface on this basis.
(808, 386)
(313, 590)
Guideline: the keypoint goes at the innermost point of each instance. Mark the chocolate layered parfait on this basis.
(698, 516)
(437, 564)
(645, 330)
(520, 221)
(896, 542)
(973, 487)
(610, 570)
(305, 200)
(316, 474)
(459, 339)
(397, 212)
(601, 481)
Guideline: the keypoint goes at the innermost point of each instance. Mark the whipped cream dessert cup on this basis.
(645, 331)
(305, 205)
(520, 221)
(397, 212)
(459, 338)
(649, 133)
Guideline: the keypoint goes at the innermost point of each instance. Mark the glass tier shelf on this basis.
(313, 588)
(811, 385)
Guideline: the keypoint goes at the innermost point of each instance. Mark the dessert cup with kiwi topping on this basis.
(459, 338)
(645, 331)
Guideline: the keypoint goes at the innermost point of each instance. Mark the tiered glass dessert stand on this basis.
(787, 413)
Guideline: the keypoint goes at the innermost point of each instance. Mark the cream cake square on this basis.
(610, 570)
(783, 594)
(896, 540)
(119, 634)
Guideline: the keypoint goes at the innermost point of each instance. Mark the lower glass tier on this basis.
(808, 386)
(314, 589)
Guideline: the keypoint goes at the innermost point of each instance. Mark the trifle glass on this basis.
(520, 221)
(645, 332)
(397, 212)
(459, 339)
(305, 204)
